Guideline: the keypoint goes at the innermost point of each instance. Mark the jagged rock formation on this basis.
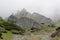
(22, 13)
(27, 19)
(35, 16)
(27, 22)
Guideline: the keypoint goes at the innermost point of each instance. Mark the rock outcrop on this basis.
(27, 22)
(12, 19)
(41, 19)
(26, 19)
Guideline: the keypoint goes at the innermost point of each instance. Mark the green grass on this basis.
(7, 36)
(14, 28)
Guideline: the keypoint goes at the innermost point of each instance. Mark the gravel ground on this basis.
(20, 37)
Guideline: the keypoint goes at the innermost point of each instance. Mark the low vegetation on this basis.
(13, 28)
(8, 29)
(7, 36)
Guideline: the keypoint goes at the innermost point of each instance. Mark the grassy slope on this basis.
(45, 30)
(7, 36)
(34, 35)
(57, 37)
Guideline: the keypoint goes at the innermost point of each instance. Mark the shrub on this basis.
(1, 35)
(4, 31)
(15, 32)
(57, 28)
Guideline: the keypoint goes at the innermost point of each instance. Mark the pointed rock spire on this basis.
(23, 13)
(23, 10)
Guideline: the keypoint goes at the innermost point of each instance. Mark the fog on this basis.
(48, 8)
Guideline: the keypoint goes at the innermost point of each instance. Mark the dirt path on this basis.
(45, 37)
(20, 37)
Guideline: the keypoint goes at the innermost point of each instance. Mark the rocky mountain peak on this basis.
(22, 13)
(23, 10)
(27, 19)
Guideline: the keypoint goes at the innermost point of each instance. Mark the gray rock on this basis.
(41, 19)
(12, 19)
(26, 19)
(27, 22)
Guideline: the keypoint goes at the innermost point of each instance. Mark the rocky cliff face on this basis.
(25, 19)
(27, 22)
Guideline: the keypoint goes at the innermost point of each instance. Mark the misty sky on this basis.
(48, 8)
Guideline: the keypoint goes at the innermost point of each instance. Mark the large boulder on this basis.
(41, 19)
